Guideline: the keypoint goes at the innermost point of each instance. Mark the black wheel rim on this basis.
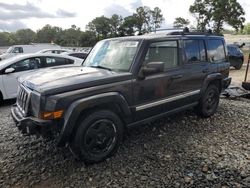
(100, 137)
(211, 101)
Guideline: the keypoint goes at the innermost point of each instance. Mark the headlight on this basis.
(35, 103)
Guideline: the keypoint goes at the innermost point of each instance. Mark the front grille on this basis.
(23, 99)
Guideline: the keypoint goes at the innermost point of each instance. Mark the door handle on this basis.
(205, 70)
(177, 76)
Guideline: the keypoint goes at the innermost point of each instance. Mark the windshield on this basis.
(9, 50)
(115, 55)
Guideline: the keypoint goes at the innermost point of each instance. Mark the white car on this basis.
(54, 51)
(26, 49)
(12, 68)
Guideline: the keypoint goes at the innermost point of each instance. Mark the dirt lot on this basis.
(183, 150)
(238, 76)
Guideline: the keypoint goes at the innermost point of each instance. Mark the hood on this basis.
(62, 79)
(6, 55)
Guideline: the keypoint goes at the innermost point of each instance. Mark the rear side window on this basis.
(166, 52)
(194, 50)
(56, 61)
(216, 50)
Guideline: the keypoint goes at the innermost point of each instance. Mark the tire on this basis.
(97, 137)
(209, 102)
(239, 65)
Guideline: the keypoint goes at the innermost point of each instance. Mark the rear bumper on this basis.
(226, 82)
(31, 125)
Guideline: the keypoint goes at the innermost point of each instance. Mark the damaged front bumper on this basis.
(31, 125)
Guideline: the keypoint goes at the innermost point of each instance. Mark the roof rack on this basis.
(186, 31)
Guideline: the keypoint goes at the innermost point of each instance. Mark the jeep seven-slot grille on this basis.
(23, 100)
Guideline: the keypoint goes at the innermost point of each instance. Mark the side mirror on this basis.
(152, 68)
(9, 70)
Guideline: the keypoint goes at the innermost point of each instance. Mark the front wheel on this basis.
(209, 101)
(98, 136)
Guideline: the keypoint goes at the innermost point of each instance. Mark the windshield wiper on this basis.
(101, 67)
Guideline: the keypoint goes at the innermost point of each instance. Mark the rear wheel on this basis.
(239, 65)
(97, 137)
(209, 101)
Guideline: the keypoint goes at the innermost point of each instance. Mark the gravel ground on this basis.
(179, 151)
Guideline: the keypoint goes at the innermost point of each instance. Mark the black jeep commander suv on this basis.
(123, 82)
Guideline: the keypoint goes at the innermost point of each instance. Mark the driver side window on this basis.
(166, 52)
(27, 64)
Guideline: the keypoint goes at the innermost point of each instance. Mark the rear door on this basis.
(196, 64)
(217, 56)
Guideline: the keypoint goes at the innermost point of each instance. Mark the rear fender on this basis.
(210, 78)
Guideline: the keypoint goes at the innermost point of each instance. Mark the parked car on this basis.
(54, 51)
(81, 55)
(12, 68)
(235, 55)
(25, 49)
(124, 82)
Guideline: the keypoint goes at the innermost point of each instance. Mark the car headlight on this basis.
(35, 103)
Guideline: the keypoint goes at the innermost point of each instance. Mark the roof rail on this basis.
(169, 29)
(186, 31)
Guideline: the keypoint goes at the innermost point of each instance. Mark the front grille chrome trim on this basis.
(23, 99)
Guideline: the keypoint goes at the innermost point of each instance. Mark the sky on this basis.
(34, 14)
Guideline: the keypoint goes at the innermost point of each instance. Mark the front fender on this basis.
(76, 108)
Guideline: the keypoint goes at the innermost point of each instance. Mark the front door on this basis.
(152, 93)
(22, 67)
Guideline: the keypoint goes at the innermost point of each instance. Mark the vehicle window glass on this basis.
(18, 50)
(202, 50)
(194, 50)
(27, 64)
(163, 52)
(216, 51)
(55, 61)
(230, 50)
(116, 55)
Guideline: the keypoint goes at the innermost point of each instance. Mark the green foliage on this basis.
(7, 39)
(246, 29)
(218, 12)
(101, 26)
(25, 36)
(181, 22)
(157, 18)
(144, 20)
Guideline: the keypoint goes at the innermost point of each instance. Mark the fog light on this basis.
(51, 115)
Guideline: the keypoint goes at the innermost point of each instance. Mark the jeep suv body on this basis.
(124, 82)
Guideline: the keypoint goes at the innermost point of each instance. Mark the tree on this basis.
(181, 22)
(128, 26)
(72, 36)
(88, 39)
(143, 19)
(157, 18)
(7, 39)
(48, 34)
(202, 11)
(115, 23)
(246, 29)
(101, 26)
(218, 12)
(25, 36)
